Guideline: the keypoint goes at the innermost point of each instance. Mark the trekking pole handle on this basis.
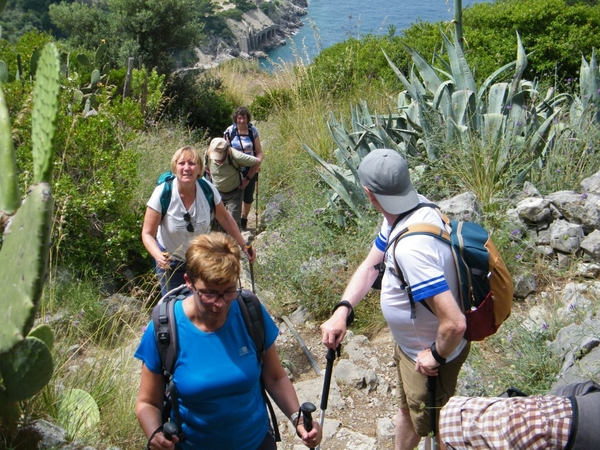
(169, 430)
(307, 408)
(249, 248)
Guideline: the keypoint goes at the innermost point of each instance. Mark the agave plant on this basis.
(442, 107)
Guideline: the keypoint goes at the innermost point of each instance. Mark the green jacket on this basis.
(226, 177)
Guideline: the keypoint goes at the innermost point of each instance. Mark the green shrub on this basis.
(198, 101)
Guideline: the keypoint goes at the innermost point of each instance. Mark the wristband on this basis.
(437, 356)
(248, 178)
(294, 418)
(346, 303)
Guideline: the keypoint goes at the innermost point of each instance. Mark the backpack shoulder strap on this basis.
(165, 335)
(165, 197)
(251, 133)
(255, 324)
(254, 320)
(208, 193)
(422, 229)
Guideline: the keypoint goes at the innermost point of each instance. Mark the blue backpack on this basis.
(486, 287)
(167, 178)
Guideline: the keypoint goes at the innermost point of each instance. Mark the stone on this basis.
(565, 237)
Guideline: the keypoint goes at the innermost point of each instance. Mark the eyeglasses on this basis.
(212, 297)
(189, 225)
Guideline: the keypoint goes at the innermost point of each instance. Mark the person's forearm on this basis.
(360, 283)
(449, 337)
(283, 394)
(148, 418)
(253, 170)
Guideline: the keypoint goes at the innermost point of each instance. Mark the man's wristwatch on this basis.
(247, 178)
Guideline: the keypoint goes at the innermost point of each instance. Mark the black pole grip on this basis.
(307, 408)
(331, 353)
(169, 430)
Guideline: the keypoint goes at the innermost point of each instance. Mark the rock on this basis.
(591, 184)
(534, 210)
(565, 236)
(591, 244)
(524, 285)
(462, 207)
(583, 209)
(385, 429)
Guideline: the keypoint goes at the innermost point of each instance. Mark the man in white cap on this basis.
(223, 163)
(428, 328)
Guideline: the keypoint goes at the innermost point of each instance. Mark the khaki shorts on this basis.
(412, 390)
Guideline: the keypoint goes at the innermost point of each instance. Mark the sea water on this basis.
(331, 21)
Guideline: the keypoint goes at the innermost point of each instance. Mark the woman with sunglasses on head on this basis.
(218, 373)
(167, 236)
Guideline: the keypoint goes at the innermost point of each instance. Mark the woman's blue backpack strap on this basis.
(166, 179)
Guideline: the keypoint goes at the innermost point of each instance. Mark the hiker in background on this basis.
(243, 136)
(429, 343)
(565, 419)
(189, 214)
(218, 373)
(224, 166)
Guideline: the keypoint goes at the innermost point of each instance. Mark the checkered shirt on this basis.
(537, 422)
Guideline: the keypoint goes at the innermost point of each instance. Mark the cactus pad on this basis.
(78, 413)
(44, 333)
(24, 258)
(45, 112)
(26, 369)
(10, 198)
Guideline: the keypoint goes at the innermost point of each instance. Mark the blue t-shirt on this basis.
(217, 376)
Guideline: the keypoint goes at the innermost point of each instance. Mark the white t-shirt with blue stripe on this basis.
(428, 267)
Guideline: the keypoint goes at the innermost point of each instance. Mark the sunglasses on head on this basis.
(189, 225)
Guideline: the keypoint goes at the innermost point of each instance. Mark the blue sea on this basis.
(331, 21)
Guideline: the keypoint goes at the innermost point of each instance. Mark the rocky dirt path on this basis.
(361, 405)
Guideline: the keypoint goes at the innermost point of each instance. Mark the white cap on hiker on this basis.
(217, 151)
(385, 173)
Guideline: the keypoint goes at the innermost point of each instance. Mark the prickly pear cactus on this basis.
(26, 363)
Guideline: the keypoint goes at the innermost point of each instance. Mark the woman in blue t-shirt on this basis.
(217, 372)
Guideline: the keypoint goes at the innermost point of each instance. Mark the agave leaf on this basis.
(493, 127)
(461, 73)
(538, 141)
(463, 109)
(520, 67)
(351, 193)
(486, 84)
(407, 85)
(431, 80)
(497, 98)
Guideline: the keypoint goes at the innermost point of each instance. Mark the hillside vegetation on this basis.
(312, 117)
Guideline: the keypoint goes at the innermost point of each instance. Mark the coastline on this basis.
(284, 21)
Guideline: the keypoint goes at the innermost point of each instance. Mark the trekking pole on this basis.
(431, 381)
(331, 355)
(250, 250)
(256, 206)
(307, 408)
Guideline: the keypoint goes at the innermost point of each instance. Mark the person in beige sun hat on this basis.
(224, 165)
